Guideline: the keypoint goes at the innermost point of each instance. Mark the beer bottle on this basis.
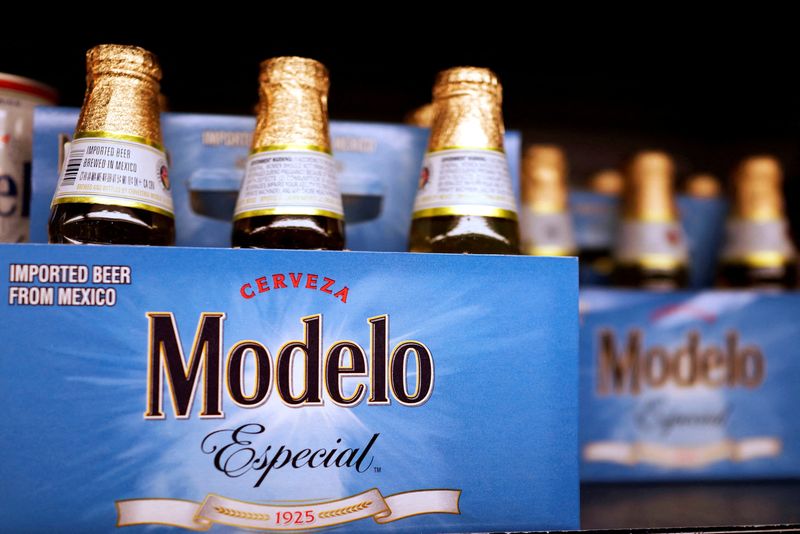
(650, 251)
(545, 222)
(421, 116)
(114, 186)
(465, 201)
(290, 197)
(702, 185)
(607, 182)
(758, 251)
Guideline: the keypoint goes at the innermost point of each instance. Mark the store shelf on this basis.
(636, 506)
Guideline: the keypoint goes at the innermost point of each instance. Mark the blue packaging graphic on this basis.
(594, 221)
(699, 385)
(218, 389)
(704, 223)
(378, 168)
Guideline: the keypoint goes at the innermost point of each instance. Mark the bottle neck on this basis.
(467, 119)
(545, 196)
(121, 104)
(756, 200)
(292, 116)
(650, 201)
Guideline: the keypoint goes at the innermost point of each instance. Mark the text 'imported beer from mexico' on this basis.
(758, 251)
(290, 196)
(114, 186)
(545, 222)
(650, 251)
(465, 201)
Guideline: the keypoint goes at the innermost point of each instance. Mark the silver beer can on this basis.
(18, 96)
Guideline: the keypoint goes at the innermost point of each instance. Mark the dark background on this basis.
(709, 92)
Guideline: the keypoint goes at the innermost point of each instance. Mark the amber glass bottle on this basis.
(545, 222)
(114, 187)
(290, 197)
(758, 251)
(650, 251)
(465, 202)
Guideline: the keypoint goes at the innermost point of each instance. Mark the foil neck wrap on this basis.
(467, 110)
(649, 191)
(122, 93)
(757, 186)
(293, 105)
(544, 179)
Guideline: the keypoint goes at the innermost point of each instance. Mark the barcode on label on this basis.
(73, 165)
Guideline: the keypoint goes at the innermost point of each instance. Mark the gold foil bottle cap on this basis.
(467, 110)
(293, 70)
(121, 95)
(459, 79)
(122, 59)
(757, 189)
(607, 182)
(703, 186)
(648, 192)
(293, 105)
(544, 179)
(422, 116)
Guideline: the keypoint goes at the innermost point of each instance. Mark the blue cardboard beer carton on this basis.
(286, 390)
(689, 385)
(378, 169)
(173, 389)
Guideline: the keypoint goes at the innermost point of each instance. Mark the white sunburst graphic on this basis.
(178, 467)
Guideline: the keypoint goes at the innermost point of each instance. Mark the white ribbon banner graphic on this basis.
(632, 453)
(217, 509)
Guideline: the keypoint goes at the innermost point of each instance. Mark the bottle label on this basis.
(757, 243)
(465, 182)
(289, 182)
(546, 234)
(119, 172)
(651, 244)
